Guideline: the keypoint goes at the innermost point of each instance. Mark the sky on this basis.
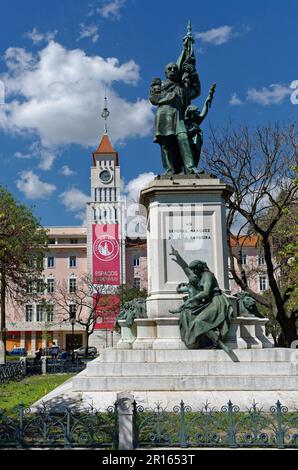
(58, 59)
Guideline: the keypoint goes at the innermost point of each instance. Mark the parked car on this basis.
(92, 351)
(18, 352)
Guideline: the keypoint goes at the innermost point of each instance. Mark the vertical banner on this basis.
(105, 254)
(107, 307)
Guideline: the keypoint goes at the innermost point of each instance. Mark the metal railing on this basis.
(228, 427)
(27, 366)
(62, 427)
(11, 370)
(126, 425)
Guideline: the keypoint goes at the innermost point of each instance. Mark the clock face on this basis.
(105, 176)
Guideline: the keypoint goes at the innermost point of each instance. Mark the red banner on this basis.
(106, 254)
(107, 308)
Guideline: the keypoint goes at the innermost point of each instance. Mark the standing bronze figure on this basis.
(177, 122)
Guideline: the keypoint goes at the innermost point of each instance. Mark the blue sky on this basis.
(58, 58)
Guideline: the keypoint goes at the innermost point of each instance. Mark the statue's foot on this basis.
(194, 171)
(169, 171)
(224, 347)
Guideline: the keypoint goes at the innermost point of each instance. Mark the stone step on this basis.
(242, 355)
(174, 383)
(108, 369)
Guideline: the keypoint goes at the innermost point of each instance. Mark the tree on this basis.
(259, 166)
(129, 293)
(89, 300)
(23, 243)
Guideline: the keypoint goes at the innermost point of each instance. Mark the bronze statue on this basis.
(176, 124)
(206, 312)
(131, 309)
(247, 306)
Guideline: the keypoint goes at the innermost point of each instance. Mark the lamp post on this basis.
(72, 321)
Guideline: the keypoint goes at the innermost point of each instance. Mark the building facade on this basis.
(75, 253)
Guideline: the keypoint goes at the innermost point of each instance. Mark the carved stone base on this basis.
(248, 333)
(164, 333)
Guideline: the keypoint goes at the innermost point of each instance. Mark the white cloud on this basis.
(216, 36)
(37, 37)
(111, 9)
(74, 199)
(66, 171)
(47, 159)
(266, 96)
(133, 187)
(35, 150)
(136, 215)
(221, 35)
(21, 155)
(33, 188)
(274, 94)
(57, 95)
(88, 31)
(235, 101)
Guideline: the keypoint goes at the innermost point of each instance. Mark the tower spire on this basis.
(105, 114)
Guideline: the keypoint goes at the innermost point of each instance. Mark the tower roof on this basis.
(105, 147)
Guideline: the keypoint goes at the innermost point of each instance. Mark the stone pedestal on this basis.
(187, 213)
(146, 333)
(164, 333)
(168, 334)
(248, 333)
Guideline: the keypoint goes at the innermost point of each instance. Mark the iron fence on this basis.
(64, 427)
(209, 427)
(18, 369)
(56, 366)
(11, 370)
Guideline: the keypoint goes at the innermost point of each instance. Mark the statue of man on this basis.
(172, 96)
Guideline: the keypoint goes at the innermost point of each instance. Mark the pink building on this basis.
(69, 259)
(136, 263)
(31, 325)
(253, 262)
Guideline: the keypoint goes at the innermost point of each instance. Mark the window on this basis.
(136, 261)
(50, 286)
(243, 258)
(72, 261)
(262, 283)
(52, 241)
(40, 286)
(72, 285)
(51, 262)
(50, 313)
(39, 313)
(73, 240)
(261, 259)
(29, 288)
(72, 311)
(136, 283)
(39, 262)
(29, 312)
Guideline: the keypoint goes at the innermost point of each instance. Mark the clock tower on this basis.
(105, 221)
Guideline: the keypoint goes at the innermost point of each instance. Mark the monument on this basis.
(195, 342)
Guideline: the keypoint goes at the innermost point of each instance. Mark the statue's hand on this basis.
(174, 252)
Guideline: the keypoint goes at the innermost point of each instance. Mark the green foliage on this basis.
(23, 242)
(131, 293)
